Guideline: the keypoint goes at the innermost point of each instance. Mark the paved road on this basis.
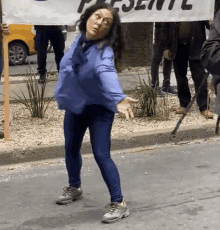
(170, 189)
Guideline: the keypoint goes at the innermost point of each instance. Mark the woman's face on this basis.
(99, 24)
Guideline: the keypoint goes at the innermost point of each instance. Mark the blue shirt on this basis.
(88, 78)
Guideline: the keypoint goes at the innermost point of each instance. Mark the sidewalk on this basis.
(127, 81)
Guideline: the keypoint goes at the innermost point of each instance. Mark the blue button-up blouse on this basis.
(88, 78)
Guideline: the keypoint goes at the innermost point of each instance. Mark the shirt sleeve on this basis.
(109, 80)
(210, 54)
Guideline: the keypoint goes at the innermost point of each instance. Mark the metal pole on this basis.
(189, 106)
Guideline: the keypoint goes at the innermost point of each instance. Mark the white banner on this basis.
(66, 12)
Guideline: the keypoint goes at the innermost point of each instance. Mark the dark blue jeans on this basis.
(99, 121)
(56, 37)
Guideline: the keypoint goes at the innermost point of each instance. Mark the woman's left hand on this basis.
(124, 107)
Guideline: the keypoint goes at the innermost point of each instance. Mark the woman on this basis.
(88, 89)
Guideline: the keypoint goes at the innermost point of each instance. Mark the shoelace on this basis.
(114, 206)
(66, 190)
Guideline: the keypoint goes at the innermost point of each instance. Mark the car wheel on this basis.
(17, 53)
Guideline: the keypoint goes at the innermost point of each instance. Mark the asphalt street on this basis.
(165, 189)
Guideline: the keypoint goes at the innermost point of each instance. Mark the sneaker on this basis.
(2, 135)
(42, 79)
(116, 212)
(69, 194)
(159, 92)
(170, 90)
(207, 114)
(180, 110)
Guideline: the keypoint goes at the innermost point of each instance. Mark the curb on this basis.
(121, 144)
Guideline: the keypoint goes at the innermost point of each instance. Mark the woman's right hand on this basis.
(124, 107)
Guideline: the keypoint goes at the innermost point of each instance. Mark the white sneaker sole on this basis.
(124, 215)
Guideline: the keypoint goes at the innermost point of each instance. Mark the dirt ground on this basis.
(27, 132)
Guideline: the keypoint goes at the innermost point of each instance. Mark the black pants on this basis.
(43, 35)
(180, 64)
(157, 58)
(215, 81)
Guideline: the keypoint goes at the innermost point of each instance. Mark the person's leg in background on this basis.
(74, 129)
(100, 133)
(198, 74)
(156, 60)
(216, 85)
(180, 64)
(215, 82)
(155, 67)
(58, 42)
(41, 44)
(167, 68)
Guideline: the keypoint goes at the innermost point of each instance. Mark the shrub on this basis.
(37, 103)
(147, 99)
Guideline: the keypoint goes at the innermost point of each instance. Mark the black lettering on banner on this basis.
(82, 4)
(185, 6)
(128, 8)
(112, 4)
(158, 6)
(150, 6)
(171, 4)
(99, 1)
(139, 6)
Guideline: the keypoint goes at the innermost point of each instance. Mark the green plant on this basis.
(149, 104)
(37, 103)
(147, 99)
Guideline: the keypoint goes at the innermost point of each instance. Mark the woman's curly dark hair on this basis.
(115, 36)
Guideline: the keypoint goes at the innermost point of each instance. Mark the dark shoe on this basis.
(159, 92)
(207, 114)
(180, 110)
(69, 195)
(170, 89)
(42, 79)
(116, 212)
(2, 135)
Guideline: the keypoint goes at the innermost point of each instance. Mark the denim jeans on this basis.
(56, 37)
(99, 121)
(180, 64)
